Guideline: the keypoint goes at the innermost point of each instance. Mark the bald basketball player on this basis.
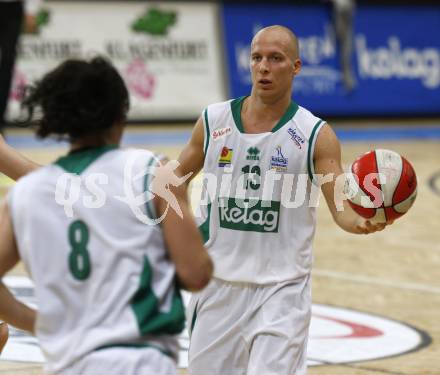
(253, 318)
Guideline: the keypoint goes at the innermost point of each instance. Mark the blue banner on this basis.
(395, 61)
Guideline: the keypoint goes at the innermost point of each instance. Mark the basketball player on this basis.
(106, 283)
(253, 318)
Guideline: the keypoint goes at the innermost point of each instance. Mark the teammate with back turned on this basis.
(253, 318)
(106, 283)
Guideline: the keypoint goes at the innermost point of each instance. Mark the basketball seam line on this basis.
(364, 191)
(380, 184)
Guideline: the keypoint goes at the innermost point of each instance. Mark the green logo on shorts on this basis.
(249, 215)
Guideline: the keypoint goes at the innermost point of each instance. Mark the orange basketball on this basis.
(382, 186)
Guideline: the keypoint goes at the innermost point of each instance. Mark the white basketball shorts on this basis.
(250, 329)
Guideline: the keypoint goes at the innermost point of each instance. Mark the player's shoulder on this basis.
(306, 116)
(218, 115)
(218, 107)
(307, 122)
(129, 152)
(131, 160)
(27, 185)
(122, 157)
(115, 158)
(35, 176)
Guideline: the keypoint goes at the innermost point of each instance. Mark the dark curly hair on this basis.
(77, 99)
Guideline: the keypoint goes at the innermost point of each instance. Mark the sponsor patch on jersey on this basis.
(278, 162)
(252, 215)
(225, 157)
(253, 153)
(299, 141)
(220, 133)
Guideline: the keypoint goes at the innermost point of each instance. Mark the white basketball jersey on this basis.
(102, 276)
(255, 210)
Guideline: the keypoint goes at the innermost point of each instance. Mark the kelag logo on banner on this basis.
(396, 57)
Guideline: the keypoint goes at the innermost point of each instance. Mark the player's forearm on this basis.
(348, 220)
(14, 312)
(12, 163)
(184, 242)
(194, 266)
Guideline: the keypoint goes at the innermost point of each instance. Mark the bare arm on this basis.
(4, 334)
(184, 243)
(192, 157)
(11, 310)
(327, 160)
(12, 163)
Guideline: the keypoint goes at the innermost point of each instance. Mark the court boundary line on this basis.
(375, 281)
(432, 182)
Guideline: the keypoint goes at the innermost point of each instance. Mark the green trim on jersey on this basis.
(77, 162)
(290, 112)
(207, 133)
(146, 306)
(151, 211)
(194, 318)
(310, 168)
(136, 346)
(237, 104)
(204, 227)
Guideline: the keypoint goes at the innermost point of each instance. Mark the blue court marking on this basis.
(29, 141)
(167, 138)
(179, 138)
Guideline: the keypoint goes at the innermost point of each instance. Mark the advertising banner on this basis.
(168, 53)
(395, 61)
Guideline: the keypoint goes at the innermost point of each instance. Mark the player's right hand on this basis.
(367, 227)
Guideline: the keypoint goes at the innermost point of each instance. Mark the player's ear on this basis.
(297, 64)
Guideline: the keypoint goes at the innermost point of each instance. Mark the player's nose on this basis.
(263, 66)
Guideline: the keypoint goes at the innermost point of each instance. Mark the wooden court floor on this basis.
(395, 273)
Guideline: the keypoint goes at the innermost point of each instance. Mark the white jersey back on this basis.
(103, 277)
(255, 207)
